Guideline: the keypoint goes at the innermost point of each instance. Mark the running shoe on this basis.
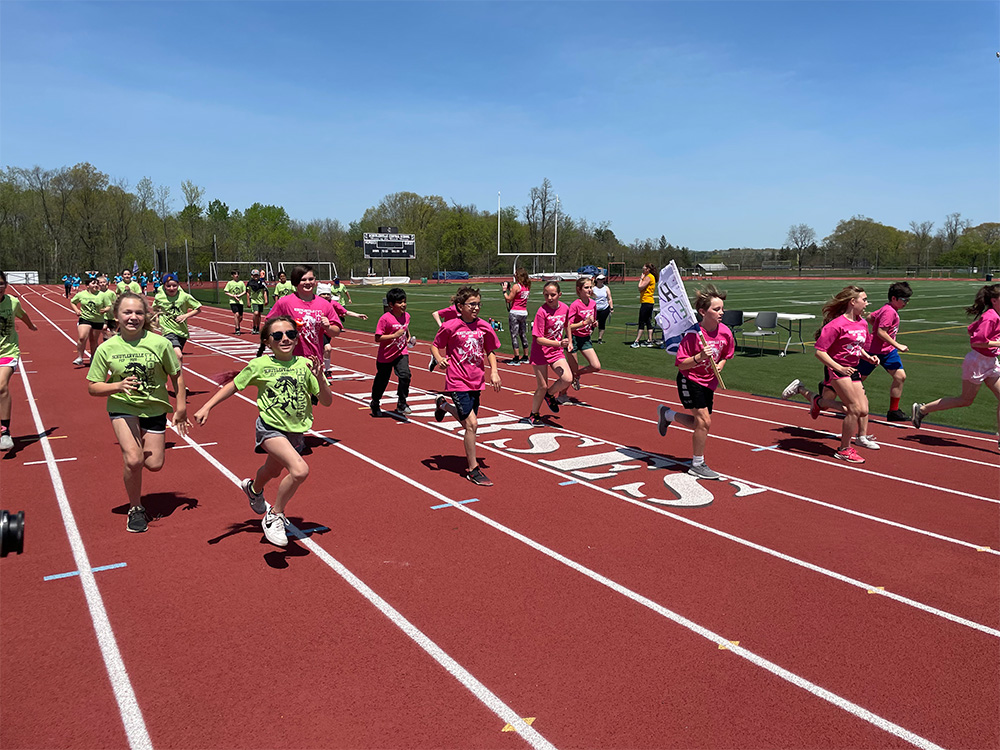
(535, 420)
(476, 476)
(791, 389)
(552, 401)
(515, 361)
(433, 364)
(916, 416)
(867, 441)
(897, 415)
(703, 472)
(576, 384)
(850, 455)
(6, 441)
(662, 423)
(814, 409)
(257, 503)
(274, 528)
(137, 521)
(412, 341)
(439, 410)
(635, 344)
(376, 409)
(78, 361)
(403, 409)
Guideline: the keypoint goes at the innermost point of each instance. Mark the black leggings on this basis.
(646, 316)
(383, 370)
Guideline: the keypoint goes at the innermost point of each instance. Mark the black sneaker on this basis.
(897, 415)
(476, 476)
(439, 410)
(535, 420)
(552, 402)
(376, 410)
(137, 521)
(434, 363)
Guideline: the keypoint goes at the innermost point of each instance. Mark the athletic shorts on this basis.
(263, 431)
(830, 375)
(602, 318)
(157, 425)
(889, 360)
(646, 315)
(11, 362)
(175, 340)
(978, 368)
(467, 402)
(694, 395)
(582, 343)
(111, 324)
(97, 325)
(236, 307)
(257, 307)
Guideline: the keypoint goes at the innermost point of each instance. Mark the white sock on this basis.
(670, 415)
(697, 460)
(326, 363)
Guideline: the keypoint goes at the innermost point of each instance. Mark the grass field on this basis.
(932, 325)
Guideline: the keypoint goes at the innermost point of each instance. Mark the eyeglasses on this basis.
(279, 335)
(473, 304)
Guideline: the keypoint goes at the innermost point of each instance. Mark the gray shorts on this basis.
(263, 431)
(175, 340)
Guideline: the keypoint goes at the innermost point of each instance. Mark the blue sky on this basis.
(716, 124)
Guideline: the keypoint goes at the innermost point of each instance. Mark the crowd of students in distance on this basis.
(132, 367)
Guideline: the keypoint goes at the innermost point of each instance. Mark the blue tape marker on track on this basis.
(314, 529)
(77, 572)
(460, 502)
(571, 481)
(765, 448)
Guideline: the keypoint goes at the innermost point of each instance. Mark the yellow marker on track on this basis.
(510, 727)
(725, 646)
(876, 589)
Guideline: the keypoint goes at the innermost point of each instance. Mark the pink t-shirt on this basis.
(885, 317)
(520, 301)
(985, 328)
(392, 349)
(720, 345)
(844, 340)
(339, 309)
(549, 324)
(466, 345)
(448, 313)
(308, 316)
(580, 311)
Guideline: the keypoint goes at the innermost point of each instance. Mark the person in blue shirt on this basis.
(67, 284)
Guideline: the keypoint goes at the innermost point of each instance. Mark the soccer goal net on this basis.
(324, 270)
(221, 270)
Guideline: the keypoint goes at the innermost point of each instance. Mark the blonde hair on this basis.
(837, 305)
(583, 280)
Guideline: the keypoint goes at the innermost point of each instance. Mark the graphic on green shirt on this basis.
(257, 291)
(10, 308)
(90, 305)
(283, 390)
(150, 359)
(132, 286)
(282, 288)
(170, 307)
(235, 287)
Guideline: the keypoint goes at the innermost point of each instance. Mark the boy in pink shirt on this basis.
(391, 334)
(882, 343)
(467, 344)
(441, 317)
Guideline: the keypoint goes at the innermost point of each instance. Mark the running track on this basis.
(597, 596)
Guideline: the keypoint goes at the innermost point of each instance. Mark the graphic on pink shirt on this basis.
(844, 340)
(391, 349)
(983, 329)
(887, 319)
(467, 346)
(308, 316)
(720, 345)
(520, 301)
(448, 313)
(549, 324)
(580, 311)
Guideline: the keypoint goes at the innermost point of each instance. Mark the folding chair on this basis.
(767, 324)
(734, 320)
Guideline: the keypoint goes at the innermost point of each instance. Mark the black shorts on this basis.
(257, 307)
(694, 395)
(467, 402)
(645, 315)
(175, 340)
(827, 381)
(91, 323)
(146, 424)
(602, 318)
(236, 307)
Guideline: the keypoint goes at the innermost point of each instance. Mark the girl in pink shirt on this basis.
(468, 344)
(391, 333)
(313, 315)
(840, 346)
(582, 320)
(516, 297)
(696, 380)
(982, 364)
(549, 342)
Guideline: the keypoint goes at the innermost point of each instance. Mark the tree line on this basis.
(59, 221)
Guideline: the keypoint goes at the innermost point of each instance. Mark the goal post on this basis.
(220, 270)
(325, 271)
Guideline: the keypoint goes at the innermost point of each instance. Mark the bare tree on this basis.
(921, 232)
(801, 237)
(538, 215)
(953, 227)
(163, 206)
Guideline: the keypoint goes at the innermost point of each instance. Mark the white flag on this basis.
(676, 317)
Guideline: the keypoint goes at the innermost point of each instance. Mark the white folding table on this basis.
(787, 321)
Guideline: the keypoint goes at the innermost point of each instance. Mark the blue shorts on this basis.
(467, 402)
(890, 363)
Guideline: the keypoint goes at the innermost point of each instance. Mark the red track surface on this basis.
(596, 613)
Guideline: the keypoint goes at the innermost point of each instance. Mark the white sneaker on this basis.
(412, 341)
(792, 388)
(78, 361)
(867, 441)
(703, 472)
(6, 441)
(257, 502)
(274, 528)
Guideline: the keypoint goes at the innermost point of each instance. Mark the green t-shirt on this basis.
(257, 295)
(283, 287)
(10, 308)
(150, 359)
(109, 297)
(238, 288)
(283, 390)
(339, 291)
(90, 305)
(170, 307)
(132, 286)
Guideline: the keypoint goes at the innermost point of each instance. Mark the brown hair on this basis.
(837, 306)
(984, 300)
(522, 278)
(462, 295)
(147, 323)
(704, 296)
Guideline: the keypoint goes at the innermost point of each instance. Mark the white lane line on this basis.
(46, 461)
(128, 706)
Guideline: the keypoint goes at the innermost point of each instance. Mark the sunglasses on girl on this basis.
(279, 335)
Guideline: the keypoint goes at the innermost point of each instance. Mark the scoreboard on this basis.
(390, 246)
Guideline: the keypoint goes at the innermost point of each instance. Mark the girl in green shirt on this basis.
(90, 307)
(10, 355)
(172, 308)
(285, 384)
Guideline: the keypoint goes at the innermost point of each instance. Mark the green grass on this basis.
(932, 325)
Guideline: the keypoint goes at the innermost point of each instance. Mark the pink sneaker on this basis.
(850, 455)
(814, 407)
